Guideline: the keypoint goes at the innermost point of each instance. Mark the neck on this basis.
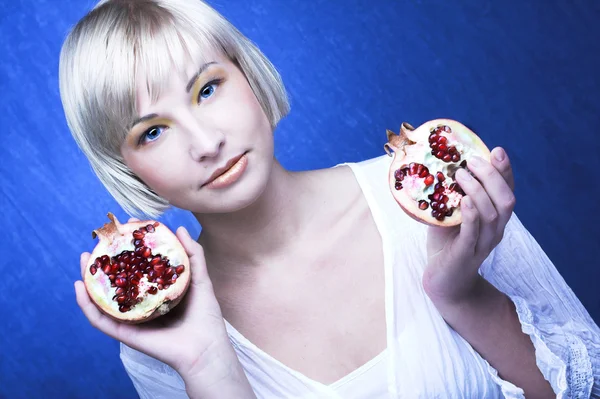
(265, 229)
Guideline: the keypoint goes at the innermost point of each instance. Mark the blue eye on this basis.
(209, 89)
(151, 134)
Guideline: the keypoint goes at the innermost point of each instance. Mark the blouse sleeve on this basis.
(566, 339)
(151, 378)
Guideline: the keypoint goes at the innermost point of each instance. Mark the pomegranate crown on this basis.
(397, 142)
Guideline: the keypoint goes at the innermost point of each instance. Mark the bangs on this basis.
(143, 44)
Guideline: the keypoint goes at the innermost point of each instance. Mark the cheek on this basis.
(158, 169)
(245, 113)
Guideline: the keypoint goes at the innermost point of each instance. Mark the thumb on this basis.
(195, 253)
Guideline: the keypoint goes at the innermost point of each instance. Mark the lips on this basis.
(222, 170)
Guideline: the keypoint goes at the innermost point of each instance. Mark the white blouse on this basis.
(425, 358)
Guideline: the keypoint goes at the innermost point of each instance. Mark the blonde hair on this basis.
(97, 74)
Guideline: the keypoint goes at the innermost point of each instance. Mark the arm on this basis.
(489, 322)
(523, 319)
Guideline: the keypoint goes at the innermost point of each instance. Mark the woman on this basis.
(294, 294)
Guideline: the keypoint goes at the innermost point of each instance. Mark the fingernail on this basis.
(463, 175)
(475, 161)
(468, 202)
(499, 154)
(185, 232)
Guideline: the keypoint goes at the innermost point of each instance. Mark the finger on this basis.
(501, 162)
(498, 189)
(99, 320)
(83, 262)
(133, 220)
(195, 253)
(488, 216)
(469, 228)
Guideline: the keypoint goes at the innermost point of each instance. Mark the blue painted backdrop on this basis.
(522, 74)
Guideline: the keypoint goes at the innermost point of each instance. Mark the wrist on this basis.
(217, 373)
(474, 306)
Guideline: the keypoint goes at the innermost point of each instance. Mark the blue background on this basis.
(524, 75)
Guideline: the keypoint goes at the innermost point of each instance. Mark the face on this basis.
(205, 145)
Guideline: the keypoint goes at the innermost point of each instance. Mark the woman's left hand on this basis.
(455, 254)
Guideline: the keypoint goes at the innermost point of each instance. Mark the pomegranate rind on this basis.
(412, 145)
(114, 238)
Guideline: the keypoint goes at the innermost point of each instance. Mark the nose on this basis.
(205, 141)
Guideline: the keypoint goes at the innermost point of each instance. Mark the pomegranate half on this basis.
(137, 271)
(421, 176)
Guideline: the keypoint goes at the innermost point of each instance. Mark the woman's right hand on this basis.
(191, 338)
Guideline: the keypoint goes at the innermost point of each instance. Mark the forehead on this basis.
(157, 72)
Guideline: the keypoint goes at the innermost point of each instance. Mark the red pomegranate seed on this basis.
(455, 157)
(160, 280)
(121, 282)
(439, 154)
(121, 298)
(112, 277)
(115, 267)
(444, 198)
(424, 172)
(107, 269)
(124, 308)
(104, 259)
(447, 129)
(398, 186)
(159, 269)
(160, 287)
(442, 140)
(433, 137)
(147, 252)
(120, 291)
(435, 213)
(179, 269)
(398, 175)
(93, 269)
(442, 147)
(429, 180)
(447, 158)
(98, 262)
(440, 176)
(152, 290)
(174, 278)
(434, 146)
(138, 235)
(412, 168)
(155, 260)
(435, 205)
(150, 228)
(442, 207)
(449, 213)
(423, 205)
(440, 217)
(436, 196)
(138, 243)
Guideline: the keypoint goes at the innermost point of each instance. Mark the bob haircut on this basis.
(103, 53)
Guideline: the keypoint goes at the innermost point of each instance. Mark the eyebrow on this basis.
(187, 89)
